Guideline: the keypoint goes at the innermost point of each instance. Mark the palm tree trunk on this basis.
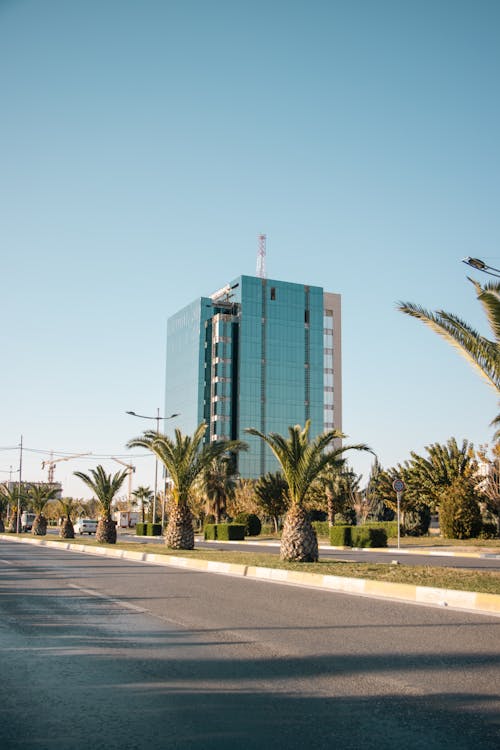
(39, 527)
(179, 533)
(298, 541)
(12, 527)
(106, 531)
(330, 506)
(67, 531)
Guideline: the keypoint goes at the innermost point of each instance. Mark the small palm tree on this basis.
(218, 482)
(38, 497)
(11, 499)
(335, 485)
(482, 353)
(143, 495)
(68, 507)
(185, 458)
(270, 491)
(3, 507)
(105, 487)
(301, 462)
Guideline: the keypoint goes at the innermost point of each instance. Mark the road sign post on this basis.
(398, 486)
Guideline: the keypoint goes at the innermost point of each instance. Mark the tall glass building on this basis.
(257, 353)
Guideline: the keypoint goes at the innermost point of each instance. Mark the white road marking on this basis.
(113, 600)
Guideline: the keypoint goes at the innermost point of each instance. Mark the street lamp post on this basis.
(480, 265)
(158, 419)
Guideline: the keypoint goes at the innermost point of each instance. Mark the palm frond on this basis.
(481, 353)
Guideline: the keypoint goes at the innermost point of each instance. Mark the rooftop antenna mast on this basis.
(261, 257)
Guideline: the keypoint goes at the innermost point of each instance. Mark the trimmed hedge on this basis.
(225, 531)
(340, 536)
(153, 529)
(140, 529)
(231, 531)
(358, 536)
(322, 528)
(251, 522)
(210, 531)
(390, 527)
(367, 536)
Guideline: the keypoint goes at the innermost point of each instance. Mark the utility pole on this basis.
(18, 522)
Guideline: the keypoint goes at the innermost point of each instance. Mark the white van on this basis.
(27, 520)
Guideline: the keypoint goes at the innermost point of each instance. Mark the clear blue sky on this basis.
(145, 145)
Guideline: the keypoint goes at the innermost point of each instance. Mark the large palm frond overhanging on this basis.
(481, 352)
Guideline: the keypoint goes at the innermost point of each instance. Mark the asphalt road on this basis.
(102, 653)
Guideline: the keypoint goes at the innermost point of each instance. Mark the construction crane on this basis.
(131, 470)
(51, 463)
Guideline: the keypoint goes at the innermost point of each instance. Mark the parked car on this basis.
(27, 520)
(85, 526)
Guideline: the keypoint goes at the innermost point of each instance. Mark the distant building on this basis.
(257, 353)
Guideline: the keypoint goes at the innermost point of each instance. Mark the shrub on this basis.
(230, 531)
(488, 530)
(416, 520)
(368, 536)
(322, 528)
(210, 531)
(340, 536)
(390, 527)
(140, 529)
(459, 514)
(251, 522)
(153, 529)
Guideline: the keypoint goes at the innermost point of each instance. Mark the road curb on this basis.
(471, 601)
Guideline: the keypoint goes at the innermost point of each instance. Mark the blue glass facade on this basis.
(251, 355)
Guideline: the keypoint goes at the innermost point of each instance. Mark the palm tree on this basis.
(482, 353)
(337, 484)
(185, 458)
(105, 487)
(218, 482)
(271, 490)
(442, 466)
(38, 497)
(68, 506)
(301, 462)
(12, 498)
(143, 495)
(3, 506)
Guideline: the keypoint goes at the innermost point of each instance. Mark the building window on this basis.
(306, 317)
(273, 292)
